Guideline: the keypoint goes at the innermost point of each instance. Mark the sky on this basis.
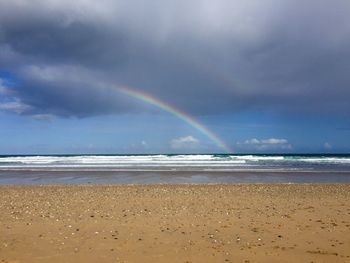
(201, 76)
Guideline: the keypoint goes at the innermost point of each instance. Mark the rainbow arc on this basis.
(147, 98)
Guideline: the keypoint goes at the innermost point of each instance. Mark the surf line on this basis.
(147, 98)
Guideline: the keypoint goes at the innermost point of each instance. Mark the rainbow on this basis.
(176, 112)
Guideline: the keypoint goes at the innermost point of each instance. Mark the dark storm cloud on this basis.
(205, 57)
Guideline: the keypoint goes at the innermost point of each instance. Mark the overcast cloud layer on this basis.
(205, 57)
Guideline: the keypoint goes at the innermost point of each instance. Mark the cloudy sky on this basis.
(259, 76)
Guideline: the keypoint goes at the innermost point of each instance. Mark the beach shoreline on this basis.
(175, 223)
(78, 177)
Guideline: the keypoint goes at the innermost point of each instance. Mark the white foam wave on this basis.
(116, 161)
(257, 158)
(166, 161)
(325, 160)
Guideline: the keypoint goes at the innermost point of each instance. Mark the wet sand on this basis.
(175, 223)
(68, 176)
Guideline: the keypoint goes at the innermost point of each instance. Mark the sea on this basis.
(174, 169)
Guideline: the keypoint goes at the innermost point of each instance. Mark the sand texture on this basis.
(175, 223)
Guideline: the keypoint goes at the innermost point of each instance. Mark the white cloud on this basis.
(14, 106)
(42, 117)
(327, 145)
(9, 102)
(3, 89)
(274, 141)
(187, 142)
(267, 144)
(252, 141)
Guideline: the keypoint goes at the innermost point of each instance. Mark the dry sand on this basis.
(175, 223)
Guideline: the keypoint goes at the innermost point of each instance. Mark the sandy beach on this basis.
(175, 223)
